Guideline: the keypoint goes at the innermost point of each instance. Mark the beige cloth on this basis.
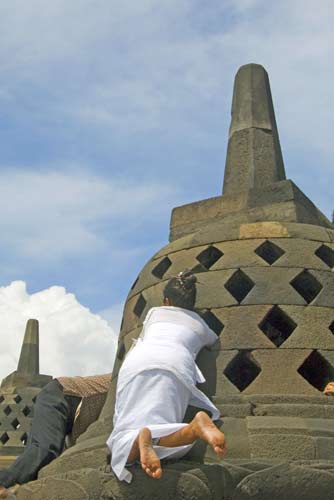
(93, 393)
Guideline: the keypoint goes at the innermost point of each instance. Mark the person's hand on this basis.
(329, 389)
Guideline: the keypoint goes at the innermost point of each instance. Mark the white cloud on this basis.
(52, 215)
(73, 340)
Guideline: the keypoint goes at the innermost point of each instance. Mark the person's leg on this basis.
(201, 427)
(46, 437)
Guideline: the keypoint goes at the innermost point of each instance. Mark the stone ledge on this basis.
(240, 480)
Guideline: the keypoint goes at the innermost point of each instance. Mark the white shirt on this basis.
(171, 339)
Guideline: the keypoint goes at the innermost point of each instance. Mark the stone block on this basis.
(325, 298)
(279, 372)
(223, 384)
(294, 410)
(235, 410)
(320, 427)
(285, 482)
(237, 437)
(300, 253)
(77, 461)
(276, 425)
(239, 253)
(130, 320)
(213, 294)
(324, 448)
(216, 231)
(185, 259)
(312, 330)
(241, 327)
(282, 446)
(275, 229)
(272, 286)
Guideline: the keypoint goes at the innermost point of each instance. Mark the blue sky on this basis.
(113, 112)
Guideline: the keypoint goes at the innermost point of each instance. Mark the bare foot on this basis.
(148, 458)
(205, 429)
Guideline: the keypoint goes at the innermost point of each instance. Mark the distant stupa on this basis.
(17, 396)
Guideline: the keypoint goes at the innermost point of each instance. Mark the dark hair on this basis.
(181, 290)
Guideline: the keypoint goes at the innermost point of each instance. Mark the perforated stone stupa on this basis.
(265, 255)
(18, 392)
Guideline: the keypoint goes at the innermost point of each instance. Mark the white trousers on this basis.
(155, 399)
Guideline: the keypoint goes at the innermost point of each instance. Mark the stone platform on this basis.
(240, 480)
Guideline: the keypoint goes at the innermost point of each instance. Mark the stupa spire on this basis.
(254, 158)
(27, 373)
(29, 357)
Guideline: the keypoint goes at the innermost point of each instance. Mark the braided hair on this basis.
(181, 290)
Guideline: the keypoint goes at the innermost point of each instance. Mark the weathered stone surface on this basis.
(241, 327)
(213, 293)
(325, 297)
(254, 157)
(222, 385)
(324, 447)
(280, 229)
(285, 482)
(293, 410)
(240, 480)
(264, 292)
(76, 461)
(17, 396)
(281, 201)
(237, 438)
(272, 380)
(282, 446)
(312, 330)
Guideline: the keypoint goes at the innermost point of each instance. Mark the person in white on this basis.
(157, 382)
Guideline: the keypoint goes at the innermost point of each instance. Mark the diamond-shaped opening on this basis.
(242, 370)
(26, 411)
(7, 410)
(331, 327)
(24, 438)
(239, 285)
(277, 326)
(306, 285)
(212, 321)
(2, 398)
(121, 352)
(160, 269)
(135, 283)
(326, 254)
(15, 424)
(4, 438)
(140, 306)
(209, 256)
(317, 370)
(269, 252)
(17, 399)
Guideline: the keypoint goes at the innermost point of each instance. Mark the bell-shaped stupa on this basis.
(265, 257)
(18, 392)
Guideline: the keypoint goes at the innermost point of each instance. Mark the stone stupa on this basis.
(18, 392)
(265, 255)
